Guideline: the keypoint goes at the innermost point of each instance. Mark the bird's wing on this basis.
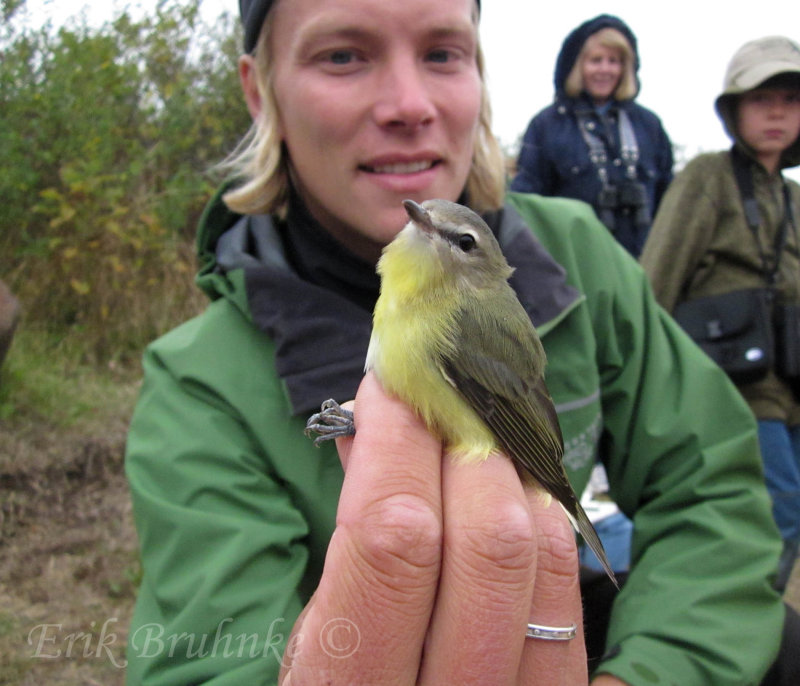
(500, 375)
(519, 413)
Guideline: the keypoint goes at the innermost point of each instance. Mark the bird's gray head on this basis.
(464, 243)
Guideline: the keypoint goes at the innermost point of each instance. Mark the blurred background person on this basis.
(594, 143)
(705, 244)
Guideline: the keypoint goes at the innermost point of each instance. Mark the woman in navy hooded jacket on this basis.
(594, 143)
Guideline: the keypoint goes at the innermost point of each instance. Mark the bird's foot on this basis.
(332, 421)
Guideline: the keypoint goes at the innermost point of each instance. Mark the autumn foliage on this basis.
(107, 138)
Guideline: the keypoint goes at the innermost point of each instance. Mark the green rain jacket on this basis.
(235, 507)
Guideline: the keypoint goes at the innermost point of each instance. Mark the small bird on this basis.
(451, 339)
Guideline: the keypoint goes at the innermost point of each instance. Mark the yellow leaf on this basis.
(116, 264)
(67, 213)
(50, 194)
(69, 253)
(79, 187)
(80, 287)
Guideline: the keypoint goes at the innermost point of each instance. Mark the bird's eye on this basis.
(466, 241)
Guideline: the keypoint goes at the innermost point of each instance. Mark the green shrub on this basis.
(107, 136)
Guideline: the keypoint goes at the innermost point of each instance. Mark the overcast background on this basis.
(684, 48)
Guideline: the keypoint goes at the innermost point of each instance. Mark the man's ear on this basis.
(248, 75)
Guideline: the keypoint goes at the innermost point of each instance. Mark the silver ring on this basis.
(551, 633)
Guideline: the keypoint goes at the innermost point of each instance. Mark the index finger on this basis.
(382, 567)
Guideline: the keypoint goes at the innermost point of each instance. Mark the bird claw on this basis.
(332, 421)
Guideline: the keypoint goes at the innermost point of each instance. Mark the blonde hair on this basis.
(261, 161)
(613, 40)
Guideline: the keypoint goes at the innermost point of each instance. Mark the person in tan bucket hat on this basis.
(728, 225)
(767, 63)
(704, 243)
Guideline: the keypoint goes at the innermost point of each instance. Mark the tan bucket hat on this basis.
(759, 60)
(753, 64)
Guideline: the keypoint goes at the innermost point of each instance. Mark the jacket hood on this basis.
(214, 222)
(573, 43)
(753, 65)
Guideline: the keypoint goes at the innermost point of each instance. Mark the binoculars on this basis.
(630, 196)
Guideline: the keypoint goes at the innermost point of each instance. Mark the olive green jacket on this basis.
(234, 507)
(700, 244)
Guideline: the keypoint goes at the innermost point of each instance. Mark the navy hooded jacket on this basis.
(554, 158)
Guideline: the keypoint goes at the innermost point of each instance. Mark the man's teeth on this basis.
(403, 168)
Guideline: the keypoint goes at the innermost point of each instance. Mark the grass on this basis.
(48, 378)
(68, 555)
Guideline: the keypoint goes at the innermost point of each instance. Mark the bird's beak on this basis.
(419, 215)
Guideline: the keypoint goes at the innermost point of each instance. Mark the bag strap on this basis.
(597, 149)
(630, 149)
(744, 180)
(743, 173)
(789, 211)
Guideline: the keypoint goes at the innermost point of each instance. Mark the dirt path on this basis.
(68, 561)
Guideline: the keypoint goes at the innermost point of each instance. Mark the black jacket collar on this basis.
(321, 336)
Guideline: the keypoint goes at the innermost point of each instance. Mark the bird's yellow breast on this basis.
(414, 326)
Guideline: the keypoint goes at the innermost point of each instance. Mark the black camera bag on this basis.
(734, 329)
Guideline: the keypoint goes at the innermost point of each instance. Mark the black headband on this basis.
(253, 13)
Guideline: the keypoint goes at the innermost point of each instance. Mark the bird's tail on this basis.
(583, 525)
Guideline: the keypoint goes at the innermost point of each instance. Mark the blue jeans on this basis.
(615, 534)
(780, 451)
